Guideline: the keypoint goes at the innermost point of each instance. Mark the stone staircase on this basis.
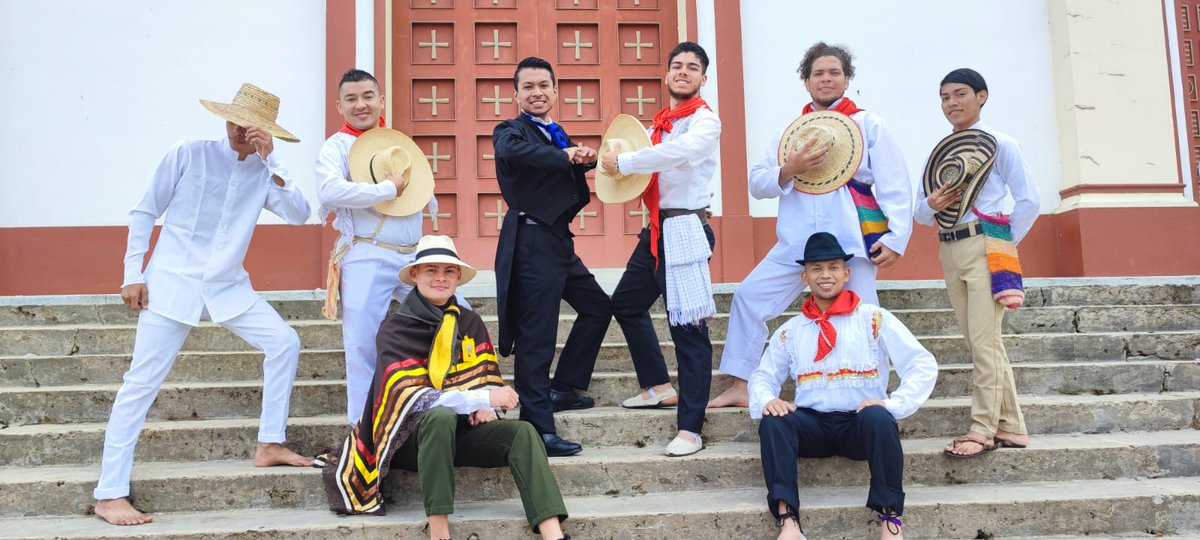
(1109, 376)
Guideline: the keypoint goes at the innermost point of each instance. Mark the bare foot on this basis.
(888, 534)
(737, 395)
(1009, 439)
(121, 512)
(970, 445)
(790, 531)
(439, 527)
(272, 454)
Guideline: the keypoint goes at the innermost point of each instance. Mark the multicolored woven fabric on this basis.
(402, 391)
(1007, 286)
(870, 218)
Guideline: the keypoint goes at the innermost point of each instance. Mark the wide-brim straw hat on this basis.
(381, 150)
(624, 134)
(830, 129)
(252, 106)
(437, 249)
(964, 158)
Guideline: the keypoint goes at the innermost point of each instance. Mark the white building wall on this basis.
(93, 93)
(902, 50)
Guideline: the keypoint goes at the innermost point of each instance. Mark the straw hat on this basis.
(437, 249)
(832, 130)
(964, 158)
(624, 134)
(380, 151)
(252, 106)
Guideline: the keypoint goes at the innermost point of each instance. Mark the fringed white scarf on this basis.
(689, 292)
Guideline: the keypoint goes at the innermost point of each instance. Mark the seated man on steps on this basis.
(212, 193)
(431, 407)
(837, 352)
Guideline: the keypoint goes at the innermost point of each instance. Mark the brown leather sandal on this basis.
(986, 446)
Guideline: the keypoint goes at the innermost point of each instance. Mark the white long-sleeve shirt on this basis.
(685, 161)
(1009, 174)
(801, 214)
(855, 370)
(212, 202)
(465, 401)
(352, 202)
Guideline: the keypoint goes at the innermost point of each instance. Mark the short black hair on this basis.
(532, 62)
(692, 47)
(966, 76)
(820, 49)
(355, 75)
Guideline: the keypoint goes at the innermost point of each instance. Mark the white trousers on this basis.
(769, 289)
(155, 347)
(370, 280)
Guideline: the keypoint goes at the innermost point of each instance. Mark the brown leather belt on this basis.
(664, 213)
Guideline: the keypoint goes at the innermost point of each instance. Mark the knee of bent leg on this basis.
(438, 419)
(876, 416)
(291, 342)
(771, 425)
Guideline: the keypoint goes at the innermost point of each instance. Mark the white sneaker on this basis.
(684, 446)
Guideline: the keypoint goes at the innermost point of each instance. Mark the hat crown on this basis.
(435, 242)
(258, 101)
(822, 246)
(390, 160)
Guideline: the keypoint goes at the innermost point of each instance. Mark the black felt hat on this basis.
(823, 246)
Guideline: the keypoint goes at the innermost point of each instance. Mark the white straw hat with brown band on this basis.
(381, 151)
(624, 134)
(964, 158)
(252, 106)
(438, 249)
(832, 130)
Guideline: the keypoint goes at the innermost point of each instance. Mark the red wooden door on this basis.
(453, 63)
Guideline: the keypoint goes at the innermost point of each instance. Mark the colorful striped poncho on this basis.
(870, 218)
(403, 390)
(1007, 286)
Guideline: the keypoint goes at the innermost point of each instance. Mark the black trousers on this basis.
(546, 271)
(870, 435)
(641, 285)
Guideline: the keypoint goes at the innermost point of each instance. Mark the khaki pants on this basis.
(993, 391)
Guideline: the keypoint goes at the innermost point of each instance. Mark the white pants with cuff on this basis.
(155, 347)
(765, 293)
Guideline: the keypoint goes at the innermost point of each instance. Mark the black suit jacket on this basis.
(538, 179)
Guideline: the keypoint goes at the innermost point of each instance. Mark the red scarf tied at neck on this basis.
(844, 304)
(351, 130)
(662, 125)
(844, 106)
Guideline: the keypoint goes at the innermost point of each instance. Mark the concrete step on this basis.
(49, 340)
(305, 305)
(39, 444)
(223, 399)
(611, 471)
(33, 370)
(1054, 508)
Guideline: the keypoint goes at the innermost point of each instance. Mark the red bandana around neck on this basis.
(844, 106)
(844, 304)
(351, 130)
(661, 126)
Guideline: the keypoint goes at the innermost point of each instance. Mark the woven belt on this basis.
(664, 213)
(961, 234)
(398, 248)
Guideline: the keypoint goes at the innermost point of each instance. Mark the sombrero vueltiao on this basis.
(830, 129)
(252, 106)
(380, 151)
(624, 134)
(964, 158)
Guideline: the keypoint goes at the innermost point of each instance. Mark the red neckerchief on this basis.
(351, 130)
(661, 126)
(844, 304)
(844, 106)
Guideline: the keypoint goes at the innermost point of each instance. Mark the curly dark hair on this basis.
(820, 49)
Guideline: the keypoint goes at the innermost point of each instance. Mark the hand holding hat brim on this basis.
(844, 156)
(625, 134)
(377, 141)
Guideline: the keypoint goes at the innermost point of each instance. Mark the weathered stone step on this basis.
(222, 399)
(302, 305)
(602, 426)
(113, 339)
(612, 471)
(950, 512)
(32, 370)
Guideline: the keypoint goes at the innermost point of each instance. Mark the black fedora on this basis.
(823, 246)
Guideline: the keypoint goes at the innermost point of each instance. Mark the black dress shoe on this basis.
(558, 447)
(570, 401)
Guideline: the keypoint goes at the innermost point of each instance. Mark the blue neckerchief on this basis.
(557, 135)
